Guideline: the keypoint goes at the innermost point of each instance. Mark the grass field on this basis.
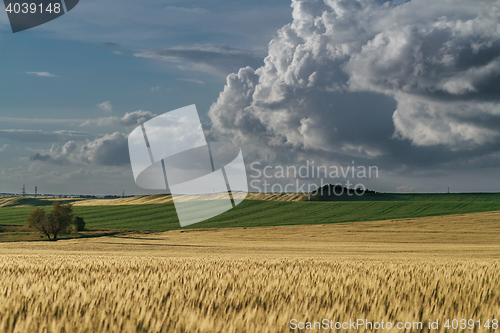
(257, 279)
(252, 213)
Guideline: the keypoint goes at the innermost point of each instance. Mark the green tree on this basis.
(79, 223)
(53, 223)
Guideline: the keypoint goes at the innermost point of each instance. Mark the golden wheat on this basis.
(256, 279)
(139, 294)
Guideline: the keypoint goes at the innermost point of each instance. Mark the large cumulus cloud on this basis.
(369, 78)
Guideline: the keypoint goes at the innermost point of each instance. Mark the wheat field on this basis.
(100, 294)
(256, 279)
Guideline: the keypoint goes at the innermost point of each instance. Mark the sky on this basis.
(410, 87)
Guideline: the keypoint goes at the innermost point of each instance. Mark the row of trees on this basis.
(57, 222)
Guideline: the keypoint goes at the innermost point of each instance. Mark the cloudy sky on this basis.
(411, 87)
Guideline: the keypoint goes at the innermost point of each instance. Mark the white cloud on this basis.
(21, 135)
(113, 47)
(106, 106)
(129, 119)
(186, 10)
(405, 189)
(3, 148)
(208, 58)
(191, 80)
(333, 75)
(155, 89)
(39, 120)
(455, 124)
(42, 74)
(110, 149)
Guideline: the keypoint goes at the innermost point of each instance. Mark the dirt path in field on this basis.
(470, 236)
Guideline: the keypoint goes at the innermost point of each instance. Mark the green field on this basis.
(254, 213)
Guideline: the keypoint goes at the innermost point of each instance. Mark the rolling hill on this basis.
(157, 213)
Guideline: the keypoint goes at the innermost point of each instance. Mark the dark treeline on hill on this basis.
(331, 192)
(338, 192)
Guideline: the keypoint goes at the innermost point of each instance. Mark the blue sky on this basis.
(91, 51)
(409, 86)
(53, 77)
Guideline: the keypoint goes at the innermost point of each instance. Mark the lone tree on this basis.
(52, 223)
(79, 223)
